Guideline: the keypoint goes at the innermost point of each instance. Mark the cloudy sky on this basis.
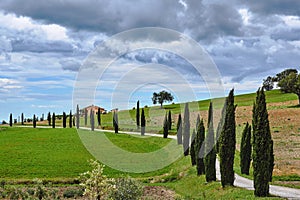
(44, 43)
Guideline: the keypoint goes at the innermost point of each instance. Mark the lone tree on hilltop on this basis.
(179, 130)
(227, 143)
(263, 157)
(143, 122)
(186, 130)
(291, 84)
(245, 150)
(162, 97)
(137, 114)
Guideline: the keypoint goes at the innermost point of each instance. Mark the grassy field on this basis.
(58, 155)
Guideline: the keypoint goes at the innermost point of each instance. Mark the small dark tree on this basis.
(77, 117)
(200, 147)
(49, 119)
(22, 119)
(85, 116)
(34, 121)
(263, 157)
(162, 97)
(245, 150)
(186, 130)
(99, 117)
(170, 120)
(227, 143)
(193, 149)
(210, 151)
(143, 122)
(116, 122)
(166, 127)
(70, 119)
(64, 120)
(53, 120)
(10, 120)
(137, 114)
(179, 130)
(92, 120)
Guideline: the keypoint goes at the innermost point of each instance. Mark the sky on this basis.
(44, 45)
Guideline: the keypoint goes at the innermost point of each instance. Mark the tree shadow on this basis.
(294, 106)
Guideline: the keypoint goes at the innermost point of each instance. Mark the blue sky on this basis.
(43, 44)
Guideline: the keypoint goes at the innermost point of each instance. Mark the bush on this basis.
(126, 189)
(71, 193)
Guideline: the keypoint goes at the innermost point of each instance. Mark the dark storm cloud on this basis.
(202, 21)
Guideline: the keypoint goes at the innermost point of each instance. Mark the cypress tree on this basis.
(179, 130)
(200, 147)
(64, 120)
(263, 157)
(210, 151)
(137, 114)
(34, 121)
(186, 130)
(53, 120)
(245, 150)
(227, 143)
(143, 122)
(70, 119)
(49, 119)
(85, 117)
(115, 122)
(170, 120)
(166, 127)
(22, 119)
(92, 120)
(220, 125)
(197, 121)
(99, 117)
(192, 150)
(73, 120)
(10, 120)
(77, 117)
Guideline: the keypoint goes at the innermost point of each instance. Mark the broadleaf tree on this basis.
(161, 97)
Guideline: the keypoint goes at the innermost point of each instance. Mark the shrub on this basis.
(126, 189)
(71, 193)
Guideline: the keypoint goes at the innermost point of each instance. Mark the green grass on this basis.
(28, 153)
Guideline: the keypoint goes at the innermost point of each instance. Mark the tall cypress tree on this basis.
(85, 116)
(197, 121)
(77, 117)
(166, 127)
(22, 119)
(179, 130)
(245, 150)
(220, 125)
(10, 120)
(49, 119)
(210, 151)
(193, 148)
(64, 120)
(200, 147)
(70, 119)
(170, 120)
(99, 117)
(263, 157)
(92, 120)
(227, 143)
(34, 121)
(53, 120)
(115, 122)
(137, 117)
(143, 122)
(186, 130)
